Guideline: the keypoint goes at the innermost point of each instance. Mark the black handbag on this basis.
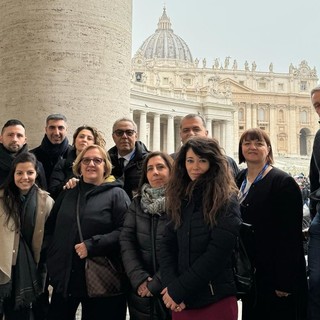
(244, 272)
(105, 277)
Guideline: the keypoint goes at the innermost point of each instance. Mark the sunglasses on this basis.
(120, 133)
(96, 161)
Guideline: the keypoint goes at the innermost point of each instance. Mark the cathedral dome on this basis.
(164, 44)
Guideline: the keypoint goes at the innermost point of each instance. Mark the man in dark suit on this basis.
(127, 155)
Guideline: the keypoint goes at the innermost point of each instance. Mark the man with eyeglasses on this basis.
(54, 145)
(127, 155)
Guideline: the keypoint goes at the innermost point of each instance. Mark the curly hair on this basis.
(97, 135)
(217, 183)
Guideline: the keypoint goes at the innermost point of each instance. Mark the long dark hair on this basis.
(166, 158)
(11, 193)
(217, 183)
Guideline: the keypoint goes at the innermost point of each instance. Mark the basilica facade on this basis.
(167, 83)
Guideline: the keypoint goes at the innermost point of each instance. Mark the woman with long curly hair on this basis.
(204, 222)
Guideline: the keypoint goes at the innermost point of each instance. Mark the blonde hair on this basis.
(76, 168)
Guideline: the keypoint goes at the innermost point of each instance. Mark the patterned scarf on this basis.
(152, 199)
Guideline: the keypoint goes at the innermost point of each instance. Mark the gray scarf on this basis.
(152, 199)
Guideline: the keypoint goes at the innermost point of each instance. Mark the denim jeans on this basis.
(314, 269)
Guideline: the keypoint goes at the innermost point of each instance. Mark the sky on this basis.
(277, 31)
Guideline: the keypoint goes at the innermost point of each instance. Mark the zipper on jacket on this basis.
(211, 288)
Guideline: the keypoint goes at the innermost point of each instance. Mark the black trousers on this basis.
(113, 308)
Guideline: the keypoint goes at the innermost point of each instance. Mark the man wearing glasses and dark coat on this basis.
(127, 155)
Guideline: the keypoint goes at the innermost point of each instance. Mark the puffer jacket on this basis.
(102, 211)
(196, 260)
(140, 246)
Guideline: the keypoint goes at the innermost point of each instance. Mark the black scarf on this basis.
(6, 157)
(26, 281)
(54, 151)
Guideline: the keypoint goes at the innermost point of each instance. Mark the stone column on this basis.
(293, 135)
(229, 141)
(142, 134)
(223, 135)
(272, 125)
(209, 127)
(170, 134)
(65, 56)
(254, 116)
(156, 132)
(247, 108)
(216, 130)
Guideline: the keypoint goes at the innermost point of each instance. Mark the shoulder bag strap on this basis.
(78, 218)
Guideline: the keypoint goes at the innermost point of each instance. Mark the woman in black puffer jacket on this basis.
(204, 220)
(140, 240)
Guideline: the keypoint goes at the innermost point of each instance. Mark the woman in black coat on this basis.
(140, 240)
(196, 253)
(103, 204)
(271, 202)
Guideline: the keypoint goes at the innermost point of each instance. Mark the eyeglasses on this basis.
(96, 161)
(120, 133)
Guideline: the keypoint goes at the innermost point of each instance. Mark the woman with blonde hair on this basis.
(101, 204)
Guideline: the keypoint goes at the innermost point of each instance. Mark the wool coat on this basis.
(273, 206)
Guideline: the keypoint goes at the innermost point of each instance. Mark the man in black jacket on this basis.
(314, 229)
(127, 155)
(13, 142)
(54, 145)
(194, 125)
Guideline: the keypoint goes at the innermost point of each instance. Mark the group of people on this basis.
(174, 220)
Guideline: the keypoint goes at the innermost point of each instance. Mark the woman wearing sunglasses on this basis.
(102, 205)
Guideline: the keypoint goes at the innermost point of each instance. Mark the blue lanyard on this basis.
(242, 194)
